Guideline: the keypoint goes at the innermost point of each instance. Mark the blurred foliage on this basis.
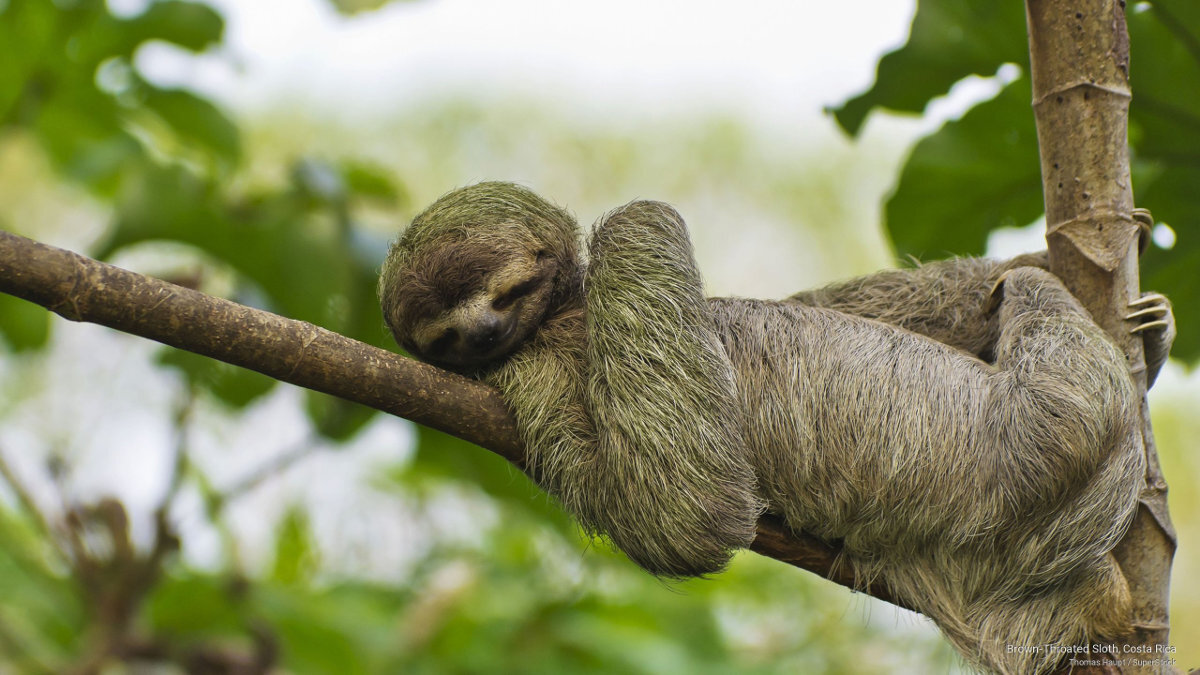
(166, 157)
(350, 7)
(519, 589)
(463, 612)
(980, 172)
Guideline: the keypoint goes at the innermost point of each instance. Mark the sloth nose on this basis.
(486, 333)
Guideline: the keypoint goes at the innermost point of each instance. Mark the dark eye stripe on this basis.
(443, 342)
(516, 292)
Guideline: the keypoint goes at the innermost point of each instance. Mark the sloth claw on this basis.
(996, 295)
(1149, 326)
(1152, 311)
(1148, 298)
(1155, 324)
(1157, 310)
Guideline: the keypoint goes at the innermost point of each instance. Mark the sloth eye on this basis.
(442, 342)
(515, 293)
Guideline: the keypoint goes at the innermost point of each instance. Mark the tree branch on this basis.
(81, 289)
(1079, 53)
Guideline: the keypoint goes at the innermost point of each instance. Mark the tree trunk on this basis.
(1079, 54)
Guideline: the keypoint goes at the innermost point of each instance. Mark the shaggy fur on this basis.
(963, 430)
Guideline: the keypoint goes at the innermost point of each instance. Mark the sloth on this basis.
(963, 431)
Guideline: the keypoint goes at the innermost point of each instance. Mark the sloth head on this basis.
(477, 272)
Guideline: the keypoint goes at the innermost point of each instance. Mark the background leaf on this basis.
(23, 325)
(949, 40)
(980, 172)
(990, 159)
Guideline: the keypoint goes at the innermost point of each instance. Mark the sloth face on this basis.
(471, 308)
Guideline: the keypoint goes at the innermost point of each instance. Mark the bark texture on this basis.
(1079, 53)
(81, 289)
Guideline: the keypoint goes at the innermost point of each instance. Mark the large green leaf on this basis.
(82, 132)
(1165, 76)
(41, 609)
(351, 7)
(981, 172)
(295, 549)
(234, 386)
(191, 25)
(974, 175)
(1165, 79)
(949, 40)
(301, 260)
(27, 28)
(320, 635)
(195, 606)
(67, 74)
(197, 121)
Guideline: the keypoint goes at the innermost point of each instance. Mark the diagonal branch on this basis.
(81, 289)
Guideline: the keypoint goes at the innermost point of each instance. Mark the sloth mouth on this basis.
(501, 347)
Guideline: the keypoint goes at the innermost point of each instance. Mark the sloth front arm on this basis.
(944, 300)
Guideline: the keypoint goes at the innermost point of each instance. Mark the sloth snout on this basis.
(487, 332)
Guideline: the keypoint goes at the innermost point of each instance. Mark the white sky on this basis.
(770, 60)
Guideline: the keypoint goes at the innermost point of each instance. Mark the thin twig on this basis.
(179, 454)
(274, 466)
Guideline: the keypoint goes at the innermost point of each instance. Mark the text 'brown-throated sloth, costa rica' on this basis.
(963, 430)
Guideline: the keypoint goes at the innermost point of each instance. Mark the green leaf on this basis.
(1165, 132)
(42, 607)
(336, 418)
(192, 25)
(373, 182)
(950, 40)
(1174, 273)
(302, 260)
(196, 120)
(971, 176)
(345, 629)
(981, 172)
(236, 387)
(27, 29)
(81, 132)
(195, 606)
(23, 325)
(295, 549)
(299, 262)
(1172, 197)
(351, 7)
